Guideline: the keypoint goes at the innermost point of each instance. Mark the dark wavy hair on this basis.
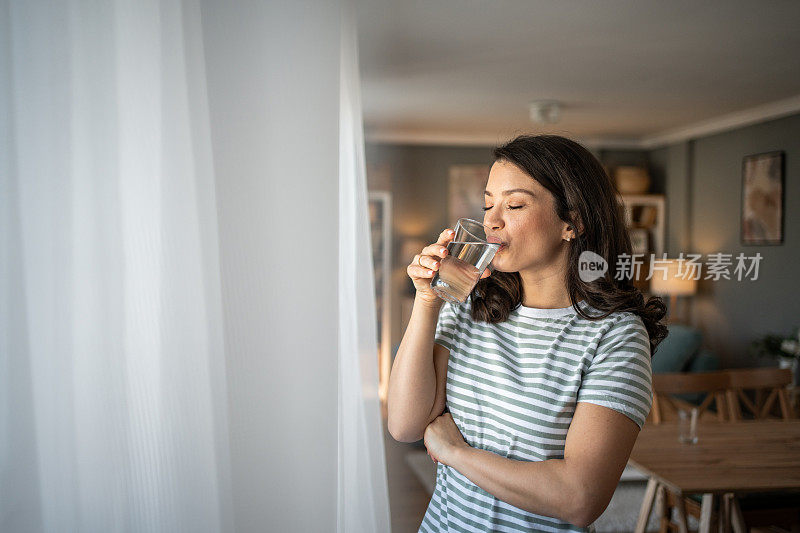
(586, 199)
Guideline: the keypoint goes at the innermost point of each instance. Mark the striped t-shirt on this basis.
(512, 389)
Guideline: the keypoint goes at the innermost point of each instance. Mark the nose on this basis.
(493, 219)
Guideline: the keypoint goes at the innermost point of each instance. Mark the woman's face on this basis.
(521, 214)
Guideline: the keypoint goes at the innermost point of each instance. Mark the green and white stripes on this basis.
(512, 389)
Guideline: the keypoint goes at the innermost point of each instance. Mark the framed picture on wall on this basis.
(762, 199)
(465, 195)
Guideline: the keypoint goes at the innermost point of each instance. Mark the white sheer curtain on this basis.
(363, 494)
(113, 401)
(112, 413)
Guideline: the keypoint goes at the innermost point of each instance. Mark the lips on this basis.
(497, 241)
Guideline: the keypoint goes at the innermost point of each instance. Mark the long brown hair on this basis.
(586, 199)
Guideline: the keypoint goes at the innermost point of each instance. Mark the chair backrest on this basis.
(714, 384)
(769, 389)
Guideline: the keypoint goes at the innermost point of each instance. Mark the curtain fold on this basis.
(111, 364)
(363, 501)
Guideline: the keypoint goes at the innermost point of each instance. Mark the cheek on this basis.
(536, 230)
(533, 238)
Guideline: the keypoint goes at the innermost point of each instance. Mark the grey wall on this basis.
(670, 167)
(273, 78)
(419, 178)
(703, 184)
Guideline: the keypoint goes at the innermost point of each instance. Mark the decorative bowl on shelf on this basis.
(632, 180)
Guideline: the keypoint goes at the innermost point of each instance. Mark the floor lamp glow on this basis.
(672, 279)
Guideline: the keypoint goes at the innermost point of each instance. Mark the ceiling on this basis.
(628, 73)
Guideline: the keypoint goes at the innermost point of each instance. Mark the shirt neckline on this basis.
(536, 312)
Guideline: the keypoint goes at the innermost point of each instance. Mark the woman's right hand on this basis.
(425, 264)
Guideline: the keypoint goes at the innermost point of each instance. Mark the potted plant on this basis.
(785, 349)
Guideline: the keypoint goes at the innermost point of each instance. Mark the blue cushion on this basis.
(704, 361)
(675, 351)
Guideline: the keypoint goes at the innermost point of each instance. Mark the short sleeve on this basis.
(620, 376)
(446, 326)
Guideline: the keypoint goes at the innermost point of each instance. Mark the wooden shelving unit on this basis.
(647, 211)
(645, 217)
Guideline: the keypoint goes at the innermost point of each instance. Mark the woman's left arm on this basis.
(576, 489)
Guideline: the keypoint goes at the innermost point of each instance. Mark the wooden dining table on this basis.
(729, 459)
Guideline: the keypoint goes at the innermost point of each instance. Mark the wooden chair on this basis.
(768, 386)
(759, 393)
(728, 390)
(665, 407)
(666, 386)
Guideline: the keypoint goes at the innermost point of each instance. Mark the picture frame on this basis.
(465, 192)
(763, 199)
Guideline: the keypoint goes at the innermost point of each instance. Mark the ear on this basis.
(573, 230)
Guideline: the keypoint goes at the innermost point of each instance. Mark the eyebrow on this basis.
(510, 191)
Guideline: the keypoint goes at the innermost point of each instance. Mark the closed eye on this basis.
(508, 207)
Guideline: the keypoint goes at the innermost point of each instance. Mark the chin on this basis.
(501, 266)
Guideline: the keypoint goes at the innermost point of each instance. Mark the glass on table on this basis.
(468, 255)
(687, 425)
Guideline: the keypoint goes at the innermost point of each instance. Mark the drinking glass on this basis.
(468, 255)
(687, 426)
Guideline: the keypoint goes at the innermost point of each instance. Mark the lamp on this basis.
(672, 280)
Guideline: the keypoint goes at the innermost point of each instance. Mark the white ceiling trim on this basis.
(412, 137)
(754, 115)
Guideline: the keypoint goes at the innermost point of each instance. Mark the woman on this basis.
(530, 395)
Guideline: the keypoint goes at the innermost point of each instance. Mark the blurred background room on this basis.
(673, 98)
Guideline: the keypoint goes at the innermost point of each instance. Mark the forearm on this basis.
(541, 487)
(412, 382)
